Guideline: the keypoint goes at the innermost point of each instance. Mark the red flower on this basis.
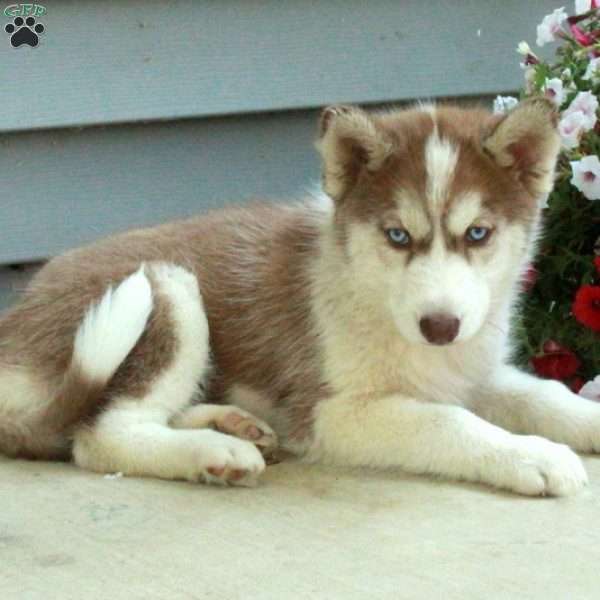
(597, 264)
(557, 362)
(586, 306)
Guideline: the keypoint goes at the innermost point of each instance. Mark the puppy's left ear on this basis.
(527, 143)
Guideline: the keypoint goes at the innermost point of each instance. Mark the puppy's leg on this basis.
(525, 404)
(443, 440)
(133, 436)
(228, 419)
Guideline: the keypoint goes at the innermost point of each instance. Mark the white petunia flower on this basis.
(571, 127)
(530, 58)
(503, 104)
(593, 69)
(551, 26)
(587, 103)
(524, 48)
(582, 6)
(586, 176)
(553, 89)
(591, 390)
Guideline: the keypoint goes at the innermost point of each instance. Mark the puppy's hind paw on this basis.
(229, 461)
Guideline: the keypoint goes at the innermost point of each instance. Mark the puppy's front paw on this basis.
(231, 420)
(535, 466)
(246, 426)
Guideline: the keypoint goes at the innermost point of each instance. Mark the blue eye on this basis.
(478, 234)
(398, 237)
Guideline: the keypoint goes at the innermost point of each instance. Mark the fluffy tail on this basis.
(109, 331)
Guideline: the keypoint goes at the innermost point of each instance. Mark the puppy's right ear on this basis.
(526, 143)
(349, 142)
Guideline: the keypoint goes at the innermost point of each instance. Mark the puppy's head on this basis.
(436, 208)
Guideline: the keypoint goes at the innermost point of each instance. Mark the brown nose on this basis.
(439, 328)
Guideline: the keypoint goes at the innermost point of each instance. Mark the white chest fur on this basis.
(372, 360)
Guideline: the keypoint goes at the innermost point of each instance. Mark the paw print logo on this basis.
(24, 31)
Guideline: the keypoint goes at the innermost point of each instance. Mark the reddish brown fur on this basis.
(255, 290)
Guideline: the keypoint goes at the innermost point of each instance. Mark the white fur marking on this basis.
(111, 328)
(440, 161)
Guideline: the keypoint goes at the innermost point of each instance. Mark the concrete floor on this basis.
(306, 532)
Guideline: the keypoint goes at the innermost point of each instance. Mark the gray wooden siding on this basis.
(67, 187)
(112, 61)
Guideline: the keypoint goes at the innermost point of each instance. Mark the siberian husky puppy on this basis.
(368, 326)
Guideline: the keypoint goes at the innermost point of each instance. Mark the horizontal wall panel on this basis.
(62, 188)
(110, 62)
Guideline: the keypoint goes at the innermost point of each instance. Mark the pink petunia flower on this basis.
(553, 90)
(571, 127)
(586, 176)
(551, 26)
(587, 103)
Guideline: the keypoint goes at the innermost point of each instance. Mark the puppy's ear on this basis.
(527, 143)
(350, 143)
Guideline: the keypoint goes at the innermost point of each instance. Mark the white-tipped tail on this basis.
(112, 327)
